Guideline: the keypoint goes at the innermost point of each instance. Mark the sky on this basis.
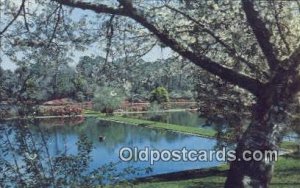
(155, 54)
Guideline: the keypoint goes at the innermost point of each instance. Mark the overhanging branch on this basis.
(98, 8)
(241, 80)
(14, 19)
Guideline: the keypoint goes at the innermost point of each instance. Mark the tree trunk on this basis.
(265, 132)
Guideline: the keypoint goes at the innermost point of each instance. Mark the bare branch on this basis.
(109, 36)
(98, 8)
(25, 19)
(298, 3)
(261, 33)
(14, 19)
(56, 25)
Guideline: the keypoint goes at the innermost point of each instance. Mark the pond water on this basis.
(193, 119)
(44, 152)
(185, 118)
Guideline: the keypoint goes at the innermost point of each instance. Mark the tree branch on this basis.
(230, 50)
(241, 80)
(279, 27)
(56, 25)
(14, 19)
(98, 8)
(261, 33)
(25, 19)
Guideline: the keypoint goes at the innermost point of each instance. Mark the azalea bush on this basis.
(61, 111)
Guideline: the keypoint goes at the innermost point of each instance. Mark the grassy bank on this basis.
(290, 146)
(153, 124)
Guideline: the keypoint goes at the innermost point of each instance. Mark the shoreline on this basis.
(195, 131)
(287, 146)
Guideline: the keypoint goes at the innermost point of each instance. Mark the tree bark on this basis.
(265, 132)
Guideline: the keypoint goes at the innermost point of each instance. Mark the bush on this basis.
(159, 95)
(107, 99)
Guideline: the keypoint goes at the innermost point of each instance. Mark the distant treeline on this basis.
(52, 80)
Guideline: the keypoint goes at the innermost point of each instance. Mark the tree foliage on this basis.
(107, 99)
(159, 95)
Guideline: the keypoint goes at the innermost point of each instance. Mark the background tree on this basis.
(159, 95)
(107, 99)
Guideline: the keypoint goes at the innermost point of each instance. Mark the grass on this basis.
(286, 175)
(287, 171)
(153, 124)
(292, 146)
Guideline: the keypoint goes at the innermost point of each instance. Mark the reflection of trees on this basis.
(186, 118)
(60, 121)
(25, 160)
(180, 118)
(228, 129)
(125, 135)
(115, 134)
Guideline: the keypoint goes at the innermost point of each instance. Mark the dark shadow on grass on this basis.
(183, 175)
(207, 185)
(295, 155)
(293, 185)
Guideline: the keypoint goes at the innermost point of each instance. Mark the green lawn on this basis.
(170, 127)
(153, 124)
(286, 175)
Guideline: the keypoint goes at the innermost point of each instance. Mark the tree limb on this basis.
(98, 8)
(261, 33)
(279, 27)
(14, 19)
(230, 50)
(241, 80)
(56, 25)
(25, 19)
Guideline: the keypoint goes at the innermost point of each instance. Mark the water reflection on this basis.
(184, 118)
(230, 128)
(36, 153)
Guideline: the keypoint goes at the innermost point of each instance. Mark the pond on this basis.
(190, 118)
(185, 118)
(41, 153)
